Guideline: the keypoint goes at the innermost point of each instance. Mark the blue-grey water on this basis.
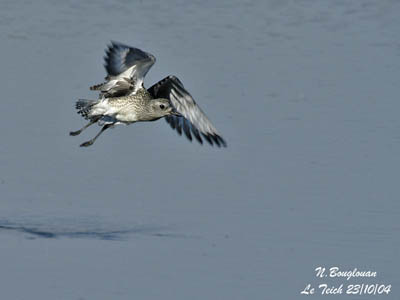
(306, 93)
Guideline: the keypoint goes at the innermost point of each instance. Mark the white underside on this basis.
(117, 113)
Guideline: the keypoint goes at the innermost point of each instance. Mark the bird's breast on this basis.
(128, 116)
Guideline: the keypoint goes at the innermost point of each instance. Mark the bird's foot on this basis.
(87, 144)
(73, 133)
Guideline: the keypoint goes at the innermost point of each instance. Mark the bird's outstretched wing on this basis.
(193, 120)
(126, 68)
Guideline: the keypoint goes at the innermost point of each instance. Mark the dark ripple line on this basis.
(111, 235)
(103, 235)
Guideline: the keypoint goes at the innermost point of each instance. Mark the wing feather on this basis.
(193, 120)
(126, 68)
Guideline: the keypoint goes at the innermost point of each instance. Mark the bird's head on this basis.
(162, 107)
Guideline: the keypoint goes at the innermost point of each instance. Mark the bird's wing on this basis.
(192, 120)
(126, 68)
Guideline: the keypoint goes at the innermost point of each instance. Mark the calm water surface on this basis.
(306, 95)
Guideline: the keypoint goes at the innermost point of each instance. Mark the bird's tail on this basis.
(84, 107)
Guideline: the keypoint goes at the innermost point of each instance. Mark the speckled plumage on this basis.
(137, 101)
(137, 107)
(124, 100)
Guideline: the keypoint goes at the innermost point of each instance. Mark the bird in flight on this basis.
(123, 99)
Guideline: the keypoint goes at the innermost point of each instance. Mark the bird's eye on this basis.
(162, 106)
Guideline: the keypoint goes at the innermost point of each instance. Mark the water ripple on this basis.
(88, 231)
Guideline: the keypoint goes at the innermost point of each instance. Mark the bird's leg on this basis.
(90, 142)
(92, 121)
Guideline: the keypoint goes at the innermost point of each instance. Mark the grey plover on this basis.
(124, 100)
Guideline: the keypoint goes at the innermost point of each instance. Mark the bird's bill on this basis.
(175, 112)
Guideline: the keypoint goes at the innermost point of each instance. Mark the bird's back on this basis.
(140, 99)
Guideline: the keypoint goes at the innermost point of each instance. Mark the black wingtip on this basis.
(222, 142)
(208, 139)
(216, 140)
(197, 135)
(186, 129)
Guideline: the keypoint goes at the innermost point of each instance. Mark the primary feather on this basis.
(123, 98)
